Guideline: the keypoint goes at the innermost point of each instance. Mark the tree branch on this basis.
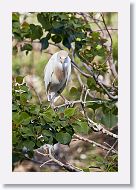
(94, 143)
(111, 149)
(81, 102)
(100, 83)
(110, 59)
(100, 128)
(97, 127)
(83, 73)
(48, 149)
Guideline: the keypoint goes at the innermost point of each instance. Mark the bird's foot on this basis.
(69, 104)
(55, 108)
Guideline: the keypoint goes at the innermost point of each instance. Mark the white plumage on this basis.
(57, 74)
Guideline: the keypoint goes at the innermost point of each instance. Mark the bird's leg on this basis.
(53, 106)
(65, 100)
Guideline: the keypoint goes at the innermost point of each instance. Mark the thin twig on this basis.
(100, 128)
(46, 162)
(100, 83)
(112, 29)
(83, 73)
(96, 21)
(82, 102)
(107, 32)
(110, 59)
(93, 143)
(112, 148)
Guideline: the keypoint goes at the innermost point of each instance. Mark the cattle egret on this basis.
(56, 75)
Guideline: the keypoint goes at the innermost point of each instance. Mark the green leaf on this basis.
(29, 145)
(27, 131)
(14, 137)
(94, 105)
(25, 118)
(91, 83)
(74, 91)
(15, 117)
(69, 129)
(56, 38)
(86, 170)
(15, 17)
(47, 118)
(49, 115)
(69, 112)
(44, 43)
(38, 129)
(36, 31)
(39, 144)
(63, 138)
(46, 133)
(66, 42)
(23, 98)
(24, 88)
(63, 16)
(98, 47)
(48, 36)
(57, 25)
(35, 109)
(44, 20)
(19, 79)
(14, 107)
(80, 127)
(95, 36)
(109, 120)
(27, 47)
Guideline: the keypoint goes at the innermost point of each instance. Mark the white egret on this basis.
(56, 75)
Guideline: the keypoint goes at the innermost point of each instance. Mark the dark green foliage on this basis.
(63, 138)
(34, 125)
(35, 31)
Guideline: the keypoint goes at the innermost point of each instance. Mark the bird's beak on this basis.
(63, 60)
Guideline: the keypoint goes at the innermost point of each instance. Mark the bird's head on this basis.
(63, 56)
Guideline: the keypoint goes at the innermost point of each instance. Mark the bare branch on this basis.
(99, 127)
(112, 148)
(112, 29)
(81, 102)
(49, 149)
(94, 143)
(110, 59)
(83, 73)
(107, 31)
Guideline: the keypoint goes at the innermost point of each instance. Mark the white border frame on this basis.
(123, 174)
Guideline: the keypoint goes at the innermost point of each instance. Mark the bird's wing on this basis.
(68, 72)
(67, 79)
(48, 71)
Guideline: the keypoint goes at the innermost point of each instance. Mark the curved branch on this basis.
(83, 73)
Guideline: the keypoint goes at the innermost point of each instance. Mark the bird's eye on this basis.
(60, 59)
